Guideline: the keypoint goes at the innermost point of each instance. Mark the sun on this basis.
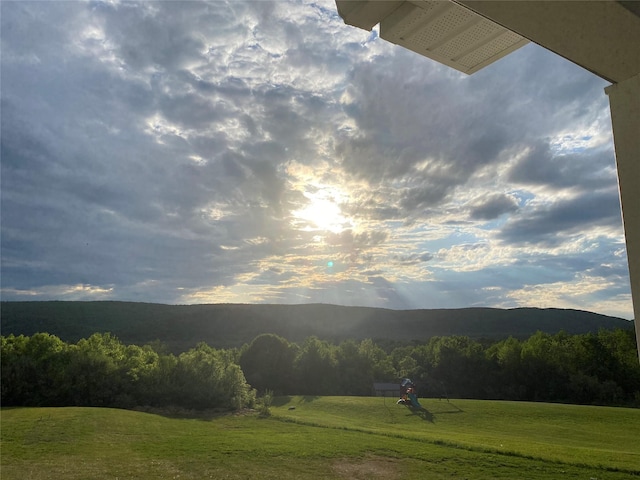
(323, 212)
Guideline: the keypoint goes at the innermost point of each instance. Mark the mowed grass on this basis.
(582, 435)
(327, 437)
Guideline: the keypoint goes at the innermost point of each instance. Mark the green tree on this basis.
(161, 385)
(545, 366)
(461, 365)
(268, 364)
(509, 380)
(96, 372)
(207, 379)
(359, 365)
(38, 369)
(17, 371)
(315, 368)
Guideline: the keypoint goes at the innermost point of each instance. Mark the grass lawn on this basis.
(583, 435)
(327, 437)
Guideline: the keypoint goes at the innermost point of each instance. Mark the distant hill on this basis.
(227, 325)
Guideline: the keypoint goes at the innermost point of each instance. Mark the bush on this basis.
(265, 404)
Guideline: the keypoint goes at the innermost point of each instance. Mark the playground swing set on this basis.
(408, 394)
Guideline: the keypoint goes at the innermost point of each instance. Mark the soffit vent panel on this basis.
(438, 29)
(450, 34)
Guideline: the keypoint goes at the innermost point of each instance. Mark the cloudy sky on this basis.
(265, 152)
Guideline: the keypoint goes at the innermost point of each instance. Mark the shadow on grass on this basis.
(425, 414)
(281, 400)
(308, 398)
(421, 412)
(192, 414)
(284, 399)
(453, 408)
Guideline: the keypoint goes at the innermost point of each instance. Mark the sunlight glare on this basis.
(323, 213)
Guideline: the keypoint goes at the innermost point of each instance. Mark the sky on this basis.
(265, 152)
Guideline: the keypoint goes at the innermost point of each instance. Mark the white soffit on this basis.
(438, 29)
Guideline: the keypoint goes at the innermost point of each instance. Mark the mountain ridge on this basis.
(230, 325)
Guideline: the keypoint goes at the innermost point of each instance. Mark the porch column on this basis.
(624, 101)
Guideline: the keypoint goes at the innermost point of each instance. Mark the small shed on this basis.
(386, 389)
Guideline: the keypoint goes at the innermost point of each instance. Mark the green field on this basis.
(327, 437)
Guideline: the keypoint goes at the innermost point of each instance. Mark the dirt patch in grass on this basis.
(368, 467)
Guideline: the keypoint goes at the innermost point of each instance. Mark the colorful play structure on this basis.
(408, 394)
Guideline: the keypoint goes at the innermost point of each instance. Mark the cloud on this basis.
(550, 224)
(491, 206)
(540, 166)
(232, 151)
(413, 258)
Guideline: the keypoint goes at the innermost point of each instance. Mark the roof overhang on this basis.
(441, 30)
(601, 36)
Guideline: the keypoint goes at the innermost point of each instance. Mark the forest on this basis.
(181, 327)
(43, 370)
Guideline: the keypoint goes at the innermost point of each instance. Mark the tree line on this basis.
(589, 368)
(43, 370)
